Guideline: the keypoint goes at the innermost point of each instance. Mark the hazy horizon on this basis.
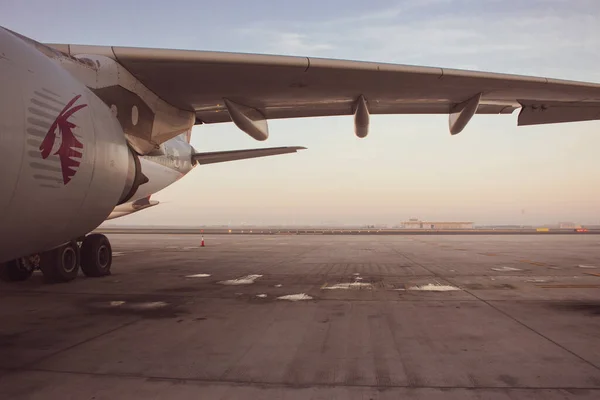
(149, 224)
(409, 166)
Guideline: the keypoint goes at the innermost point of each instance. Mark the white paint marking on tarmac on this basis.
(536, 280)
(506, 269)
(149, 305)
(588, 266)
(190, 247)
(295, 297)
(358, 278)
(279, 285)
(261, 296)
(118, 253)
(346, 286)
(244, 280)
(198, 276)
(434, 287)
(356, 274)
(139, 306)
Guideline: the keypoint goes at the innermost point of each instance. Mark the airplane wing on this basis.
(251, 89)
(222, 156)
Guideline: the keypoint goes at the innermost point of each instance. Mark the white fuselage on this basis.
(65, 160)
(63, 157)
(162, 170)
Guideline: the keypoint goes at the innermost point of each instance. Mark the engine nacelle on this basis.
(64, 160)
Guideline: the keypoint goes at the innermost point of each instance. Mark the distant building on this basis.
(568, 225)
(415, 223)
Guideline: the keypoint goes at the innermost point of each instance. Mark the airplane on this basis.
(89, 133)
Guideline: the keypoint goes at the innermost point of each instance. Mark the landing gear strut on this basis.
(62, 264)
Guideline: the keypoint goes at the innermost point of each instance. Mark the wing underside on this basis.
(263, 87)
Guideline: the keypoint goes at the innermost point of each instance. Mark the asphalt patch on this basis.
(142, 306)
(586, 307)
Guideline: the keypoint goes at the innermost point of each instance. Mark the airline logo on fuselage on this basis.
(70, 149)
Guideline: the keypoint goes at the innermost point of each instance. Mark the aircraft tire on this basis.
(15, 271)
(61, 264)
(96, 255)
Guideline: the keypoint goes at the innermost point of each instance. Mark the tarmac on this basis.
(313, 317)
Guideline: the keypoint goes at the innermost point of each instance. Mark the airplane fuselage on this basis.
(64, 158)
(67, 160)
(171, 162)
(164, 169)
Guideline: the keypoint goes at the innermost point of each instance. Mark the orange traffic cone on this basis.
(202, 243)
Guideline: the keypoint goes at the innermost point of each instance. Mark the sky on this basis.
(409, 166)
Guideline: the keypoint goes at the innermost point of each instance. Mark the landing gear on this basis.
(96, 255)
(16, 270)
(61, 264)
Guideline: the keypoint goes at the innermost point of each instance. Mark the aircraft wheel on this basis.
(16, 270)
(96, 255)
(61, 264)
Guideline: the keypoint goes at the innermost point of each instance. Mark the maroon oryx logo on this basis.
(69, 142)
